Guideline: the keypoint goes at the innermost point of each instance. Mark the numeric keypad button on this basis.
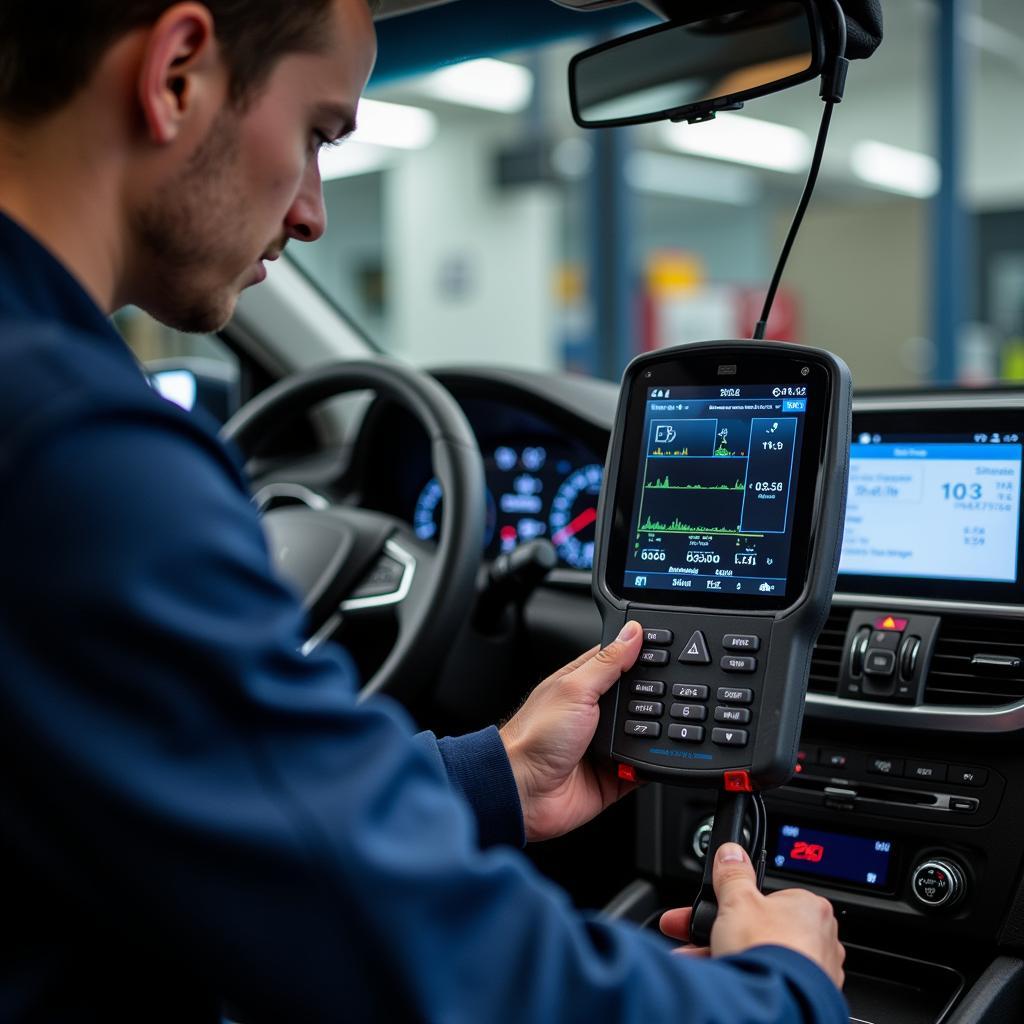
(687, 691)
(729, 737)
(695, 711)
(649, 729)
(649, 687)
(646, 707)
(686, 733)
(739, 716)
(730, 695)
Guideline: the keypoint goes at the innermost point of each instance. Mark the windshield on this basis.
(472, 221)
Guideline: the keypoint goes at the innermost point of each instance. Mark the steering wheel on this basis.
(348, 561)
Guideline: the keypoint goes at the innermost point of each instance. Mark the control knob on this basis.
(937, 882)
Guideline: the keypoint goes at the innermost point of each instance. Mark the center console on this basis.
(906, 800)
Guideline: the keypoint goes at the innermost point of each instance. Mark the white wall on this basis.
(470, 268)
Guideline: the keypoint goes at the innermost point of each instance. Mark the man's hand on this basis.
(793, 918)
(547, 738)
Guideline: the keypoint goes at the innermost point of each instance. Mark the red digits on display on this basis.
(808, 851)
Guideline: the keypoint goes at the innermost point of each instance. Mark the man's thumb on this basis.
(734, 876)
(599, 673)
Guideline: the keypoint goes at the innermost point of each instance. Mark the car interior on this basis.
(426, 398)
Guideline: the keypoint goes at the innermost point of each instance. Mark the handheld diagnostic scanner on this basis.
(720, 522)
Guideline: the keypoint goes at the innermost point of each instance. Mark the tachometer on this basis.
(573, 515)
(426, 517)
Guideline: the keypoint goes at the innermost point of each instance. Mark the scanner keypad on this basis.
(698, 672)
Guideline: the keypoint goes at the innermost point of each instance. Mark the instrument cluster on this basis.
(537, 487)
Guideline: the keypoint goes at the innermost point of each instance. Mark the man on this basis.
(193, 813)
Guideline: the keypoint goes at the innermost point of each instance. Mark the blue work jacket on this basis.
(195, 815)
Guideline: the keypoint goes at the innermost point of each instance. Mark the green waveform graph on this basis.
(677, 526)
(665, 484)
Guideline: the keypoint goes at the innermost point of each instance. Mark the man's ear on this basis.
(180, 65)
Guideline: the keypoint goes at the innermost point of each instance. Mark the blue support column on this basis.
(611, 243)
(951, 234)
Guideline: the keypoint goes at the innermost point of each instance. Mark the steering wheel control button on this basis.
(649, 729)
(686, 733)
(879, 662)
(727, 695)
(695, 650)
(646, 707)
(658, 637)
(653, 657)
(961, 776)
(741, 642)
(734, 663)
(695, 711)
(649, 687)
(885, 766)
(734, 716)
(926, 771)
(937, 883)
(686, 692)
(729, 737)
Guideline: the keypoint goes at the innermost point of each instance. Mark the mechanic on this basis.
(194, 813)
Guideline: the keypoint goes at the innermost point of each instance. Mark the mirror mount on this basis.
(700, 118)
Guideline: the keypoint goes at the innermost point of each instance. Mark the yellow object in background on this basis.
(671, 272)
(1012, 369)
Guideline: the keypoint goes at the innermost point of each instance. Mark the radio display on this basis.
(854, 859)
(716, 489)
(931, 509)
(934, 506)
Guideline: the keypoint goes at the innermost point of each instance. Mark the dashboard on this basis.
(908, 790)
(543, 466)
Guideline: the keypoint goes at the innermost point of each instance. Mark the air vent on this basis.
(828, 653)
(977, 661)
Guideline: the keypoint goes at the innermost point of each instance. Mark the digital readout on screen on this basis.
(854, 859)
(938, 511)
(713, 512)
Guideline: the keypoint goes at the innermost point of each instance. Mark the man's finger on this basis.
(676, 923)
(734, 878)
(597, 675)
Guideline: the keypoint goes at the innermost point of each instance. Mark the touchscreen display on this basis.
(716, 489)
(937, 506)
(854, 859)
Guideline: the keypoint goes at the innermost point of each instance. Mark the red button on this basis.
(738, 782)
(627, 772)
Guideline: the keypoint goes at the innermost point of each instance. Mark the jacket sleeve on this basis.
(185, 770)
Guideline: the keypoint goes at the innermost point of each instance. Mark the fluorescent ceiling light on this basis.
(487, 83)
(353, 158)
(744, 140)
(666, 174)
(895, 169)
(394, 124)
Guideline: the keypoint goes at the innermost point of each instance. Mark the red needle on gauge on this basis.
(582, 521)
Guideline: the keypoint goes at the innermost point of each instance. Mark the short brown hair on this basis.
(50, 48)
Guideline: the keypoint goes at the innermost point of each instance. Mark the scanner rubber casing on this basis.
(770, 757)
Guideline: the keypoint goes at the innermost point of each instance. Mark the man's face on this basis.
(253, 183)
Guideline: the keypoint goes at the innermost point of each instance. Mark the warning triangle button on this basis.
(695, 650)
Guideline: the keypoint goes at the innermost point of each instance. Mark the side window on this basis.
(193, 370)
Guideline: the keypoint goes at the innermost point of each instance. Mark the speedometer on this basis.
(426, 519)
(573, 515)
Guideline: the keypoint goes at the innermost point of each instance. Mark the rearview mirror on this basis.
(723, 55)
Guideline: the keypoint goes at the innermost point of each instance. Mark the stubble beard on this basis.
(185, 234)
